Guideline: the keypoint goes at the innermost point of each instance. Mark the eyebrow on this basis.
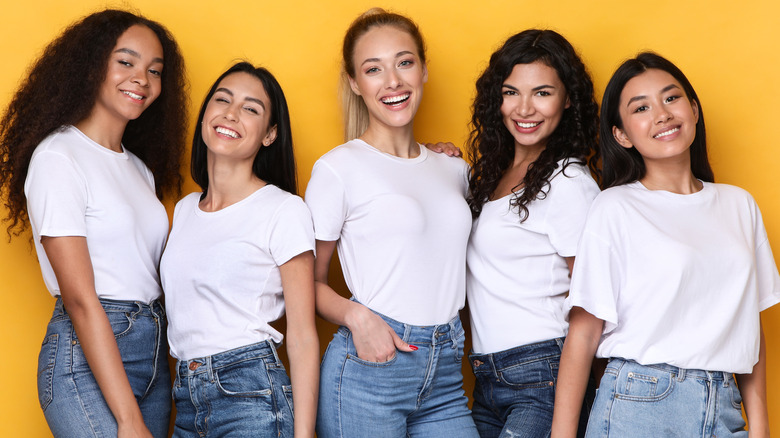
(397, 55)
(663, 90)
(250, 99)
(132, 52)
(540, 87)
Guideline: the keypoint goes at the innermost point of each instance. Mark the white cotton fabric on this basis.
(678, 279)
(76, 187)
(220, 270)
(402, 227)
(517, 276)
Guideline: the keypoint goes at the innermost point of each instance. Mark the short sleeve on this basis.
(571, 195)
(291, 232)
(326, 199)
(56, 196)
(767, 275)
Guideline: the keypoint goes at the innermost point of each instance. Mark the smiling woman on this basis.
(85, 155)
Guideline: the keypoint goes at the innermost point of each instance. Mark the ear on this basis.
(425, 73)
(353, 85)
(695, 108)
(270, 136)
(621, 137)
(568, 102)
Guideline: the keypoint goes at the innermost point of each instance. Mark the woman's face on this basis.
(658, 118)
(534, 99)
(236, 119)
(134, 75)
(389, 75)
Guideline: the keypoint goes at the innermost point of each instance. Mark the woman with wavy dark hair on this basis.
(672, 273)
(240, 255)
(534, 130)
(90, 140)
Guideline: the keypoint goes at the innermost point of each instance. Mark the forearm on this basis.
(304, 353)
(753, 389)
(335, 308)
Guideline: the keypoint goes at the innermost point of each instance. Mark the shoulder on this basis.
(343, 153)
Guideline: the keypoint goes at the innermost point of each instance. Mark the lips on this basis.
(134, 96)
(667, 132)
(395, 100)
(227, 132)
(527, 125)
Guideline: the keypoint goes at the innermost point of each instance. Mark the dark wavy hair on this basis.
(623, 166)
(275, 163)
(491, 145)
(61, 89)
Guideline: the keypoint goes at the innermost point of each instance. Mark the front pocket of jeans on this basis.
(368, 363)
(244, 379)
(643, 387)
(46, 360)
(121, 323)
(537, 374)
(736, 396)
(288, 395)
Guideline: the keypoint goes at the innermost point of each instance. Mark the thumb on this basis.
(400, 344)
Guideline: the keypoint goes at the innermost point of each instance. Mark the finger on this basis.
(400, 344)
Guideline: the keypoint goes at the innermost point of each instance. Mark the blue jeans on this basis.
(68, 393)
(417, 394)
(244, 392)
(665, 401)
(514, 391)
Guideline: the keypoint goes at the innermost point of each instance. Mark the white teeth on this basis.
(527, 125)
(667, 132)
(133, 95)
(395, 99)
(228, 132)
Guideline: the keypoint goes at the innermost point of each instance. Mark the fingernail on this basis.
(413, 347)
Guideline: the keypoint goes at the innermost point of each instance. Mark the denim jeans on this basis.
(665, 401)
(514, 392)
(244, 392)
(68, 392)
(417, 394)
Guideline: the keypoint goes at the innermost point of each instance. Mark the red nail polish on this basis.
(413, 347)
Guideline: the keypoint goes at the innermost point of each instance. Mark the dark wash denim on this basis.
(68, 392)
(514, 393)
(244, 392)
(418, 393)
(660, 400)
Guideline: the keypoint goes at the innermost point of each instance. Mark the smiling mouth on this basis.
(225, 131)
(667, 132)
(395, 100)
(529, 125)
(133, 95)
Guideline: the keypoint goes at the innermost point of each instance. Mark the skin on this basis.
(133, 65)
(651, 103)
(387, 65)
(242, 107)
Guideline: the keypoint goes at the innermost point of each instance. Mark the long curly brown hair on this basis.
(62, 87)
(491, 145)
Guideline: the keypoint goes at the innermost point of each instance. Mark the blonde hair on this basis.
(354, 108)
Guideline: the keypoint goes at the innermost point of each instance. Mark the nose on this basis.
(231, 111)
(393, 79)
(663, 115)
(525, 107)
(139, 77)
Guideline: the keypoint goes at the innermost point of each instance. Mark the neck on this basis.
(229, 182)
(525, 155)
(104, 131)
(394, 141)
(674, 176)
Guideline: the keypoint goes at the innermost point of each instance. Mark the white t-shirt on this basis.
(517, 276)
(402, 227)
(76, 187)
(220, 270)
(678, 279)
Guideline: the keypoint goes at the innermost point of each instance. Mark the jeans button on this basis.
(194, 366)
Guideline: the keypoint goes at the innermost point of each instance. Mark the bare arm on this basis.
(374, 340)
(72, 266)
(576, 358)
(303, 347)
(753, 389)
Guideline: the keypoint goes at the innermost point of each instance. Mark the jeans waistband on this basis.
(518, 355)
(136, 308)
(416, 334)
(265, 350)
(680, 373)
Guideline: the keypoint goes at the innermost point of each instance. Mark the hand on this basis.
(447, 148)
(374, 340)
(136, 429)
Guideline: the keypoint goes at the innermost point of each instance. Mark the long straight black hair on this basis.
(275, 163)
(623, 166)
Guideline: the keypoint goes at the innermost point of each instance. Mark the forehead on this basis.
(243, 84)
(384, 40)
(650, 82)
(535, 73)
(141, 40)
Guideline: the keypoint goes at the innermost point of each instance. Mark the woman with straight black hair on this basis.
(239, 256)
(91, 138)
(672, 273)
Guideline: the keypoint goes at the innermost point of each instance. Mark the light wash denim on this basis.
(514, 392)
(244, 392)
(414, 394)
(660, 400)
(68, 393)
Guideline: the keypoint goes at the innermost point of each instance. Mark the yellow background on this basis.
(729, 51)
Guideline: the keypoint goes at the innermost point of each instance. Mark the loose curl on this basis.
(275, 163)
(491, 145)
(623, 166)
(61, 89)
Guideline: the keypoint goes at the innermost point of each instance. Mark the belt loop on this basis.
(209, 368)
(453, 335)
(681, 375)
(407, 333)
(277, 362)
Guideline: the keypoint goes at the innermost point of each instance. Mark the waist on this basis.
(153, 308)
(262, 350)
